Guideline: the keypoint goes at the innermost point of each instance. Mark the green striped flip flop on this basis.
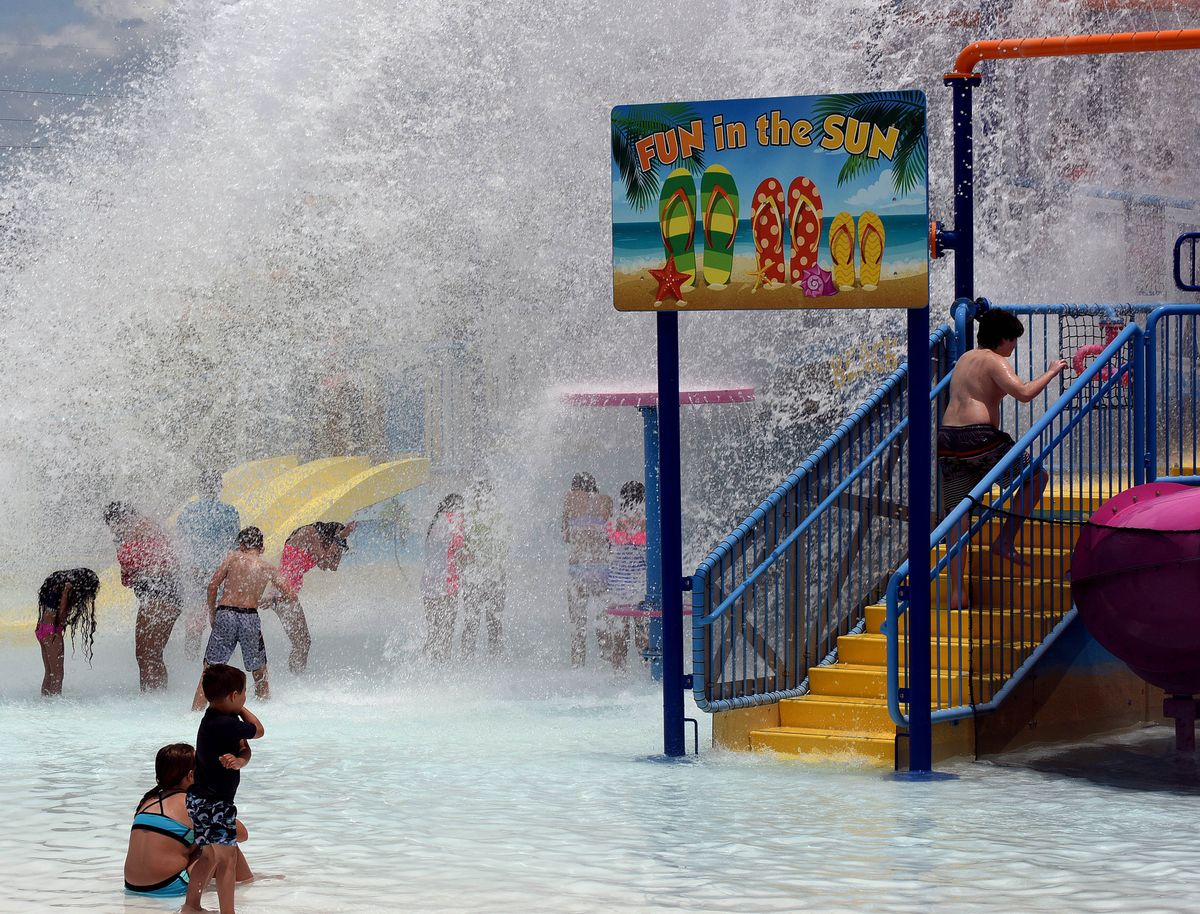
(677, 222)
(719, 199)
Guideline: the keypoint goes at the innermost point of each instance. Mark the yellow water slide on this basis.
(277, 495)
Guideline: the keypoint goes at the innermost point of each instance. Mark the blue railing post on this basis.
(920, 729)
(654, 578)
(671, 520)
(1140, 457)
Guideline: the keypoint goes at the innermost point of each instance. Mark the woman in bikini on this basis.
(66, 601)
(150, 568)
(161, 843)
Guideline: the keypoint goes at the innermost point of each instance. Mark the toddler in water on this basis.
(244, 575)
(221, 753)
(66, 600)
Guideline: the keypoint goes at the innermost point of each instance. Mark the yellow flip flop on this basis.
(841, 250)
(870, 250)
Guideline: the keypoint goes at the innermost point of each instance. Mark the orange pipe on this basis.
(1072, 46)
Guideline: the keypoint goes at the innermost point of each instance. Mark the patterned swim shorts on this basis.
(234, 626)
(213, 821)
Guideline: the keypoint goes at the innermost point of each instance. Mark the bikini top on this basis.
(163, 824)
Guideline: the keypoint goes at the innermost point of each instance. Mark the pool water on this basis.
(528, 790)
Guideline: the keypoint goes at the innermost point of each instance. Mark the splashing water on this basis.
(393, 191)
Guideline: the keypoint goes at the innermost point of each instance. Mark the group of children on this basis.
(174, 576)
(606, 567)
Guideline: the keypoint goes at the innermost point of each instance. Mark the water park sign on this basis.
(838, 217)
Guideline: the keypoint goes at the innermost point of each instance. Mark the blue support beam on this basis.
(920, 728)
(671, 519)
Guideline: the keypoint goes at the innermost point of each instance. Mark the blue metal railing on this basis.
(772, 599)
(1173, 401)
(1185, 252)
(991, 618)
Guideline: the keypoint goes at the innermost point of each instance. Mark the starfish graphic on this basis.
(670, 282)
(764, 277)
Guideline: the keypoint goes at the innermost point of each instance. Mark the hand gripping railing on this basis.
(771, 600)
(1090, 445)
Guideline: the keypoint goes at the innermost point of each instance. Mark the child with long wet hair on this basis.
(66, 602)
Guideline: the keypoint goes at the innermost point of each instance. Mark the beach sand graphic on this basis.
(634, 290)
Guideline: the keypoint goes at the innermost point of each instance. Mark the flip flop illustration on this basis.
(841, 250)
(767, 230)
(804, 227)
(677, 222)
(719, 202)
(870, 250)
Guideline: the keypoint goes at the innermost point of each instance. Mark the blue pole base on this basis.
(669, 759)
(921, 776)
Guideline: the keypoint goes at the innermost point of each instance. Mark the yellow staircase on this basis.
(845, 712)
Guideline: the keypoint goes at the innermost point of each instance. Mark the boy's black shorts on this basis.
(213, 821)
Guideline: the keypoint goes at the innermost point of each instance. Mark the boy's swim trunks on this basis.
(213, 821)
(966, 454)
(234, 625)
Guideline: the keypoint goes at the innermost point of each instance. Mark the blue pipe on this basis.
(964, 193)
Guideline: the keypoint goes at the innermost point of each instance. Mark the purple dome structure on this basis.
(1135, 578)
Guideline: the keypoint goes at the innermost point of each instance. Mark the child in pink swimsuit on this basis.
(319, 545)
(66, 600)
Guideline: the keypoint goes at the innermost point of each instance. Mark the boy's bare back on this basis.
(245, 575)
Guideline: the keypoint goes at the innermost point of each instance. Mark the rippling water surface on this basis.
(402, 795)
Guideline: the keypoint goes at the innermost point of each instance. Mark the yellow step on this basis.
(945, 653)
(1034, 533)
(949, 623)
(877, 747)
(831, 712)
(1029, 595)
(864, 681)
(1040, 562)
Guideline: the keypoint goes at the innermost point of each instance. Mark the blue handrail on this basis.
(769, 525)
(833, 497)
(960, 512)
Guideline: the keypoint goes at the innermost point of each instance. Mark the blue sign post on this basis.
(720, 205)
(670, 532)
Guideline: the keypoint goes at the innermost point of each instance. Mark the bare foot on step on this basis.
(1008, 553)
